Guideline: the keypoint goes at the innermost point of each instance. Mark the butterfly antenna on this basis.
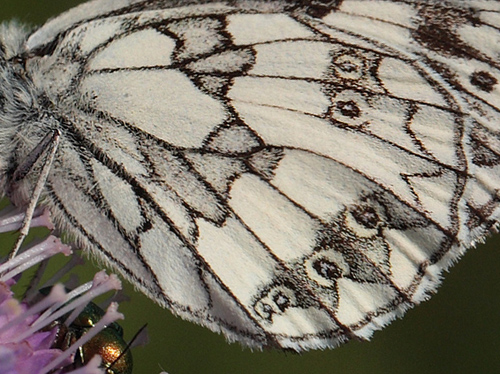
(48, 145)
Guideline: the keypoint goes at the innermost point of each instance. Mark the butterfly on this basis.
(291, 174)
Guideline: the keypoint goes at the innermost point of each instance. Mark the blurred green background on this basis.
(457, 331)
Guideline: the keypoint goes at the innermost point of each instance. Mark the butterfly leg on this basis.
(47, 146)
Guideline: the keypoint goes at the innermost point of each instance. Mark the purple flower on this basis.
(29, 329)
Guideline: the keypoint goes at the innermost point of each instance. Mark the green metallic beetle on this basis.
(108, 343)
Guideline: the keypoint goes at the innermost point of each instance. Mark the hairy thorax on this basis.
(23, 122)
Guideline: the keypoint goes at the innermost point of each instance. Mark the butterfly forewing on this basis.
(291, 175)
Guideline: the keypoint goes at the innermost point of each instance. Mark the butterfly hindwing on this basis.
(291, 174)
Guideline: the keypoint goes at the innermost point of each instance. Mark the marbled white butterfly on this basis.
(293, 174)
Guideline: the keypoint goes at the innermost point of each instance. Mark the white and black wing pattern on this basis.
(292, 174)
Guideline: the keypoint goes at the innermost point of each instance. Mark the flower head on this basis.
(26, 355)
(37, 334)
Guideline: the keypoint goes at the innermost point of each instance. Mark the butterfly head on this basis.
(19, 108)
